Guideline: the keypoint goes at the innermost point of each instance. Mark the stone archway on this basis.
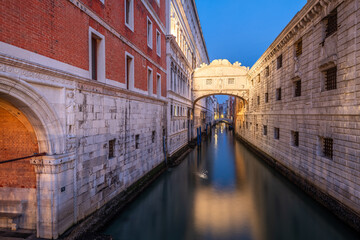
(30, 109)
(221, 78)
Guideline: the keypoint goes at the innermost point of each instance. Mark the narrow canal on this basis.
(222, 191)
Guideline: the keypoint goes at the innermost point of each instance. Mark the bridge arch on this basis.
(221, 78)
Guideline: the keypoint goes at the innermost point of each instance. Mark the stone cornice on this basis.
(69, 80)
(174, 45)
(300, 21)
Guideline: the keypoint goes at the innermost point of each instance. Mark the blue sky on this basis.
(241, 30)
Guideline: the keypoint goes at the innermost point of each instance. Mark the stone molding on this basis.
(307, 15)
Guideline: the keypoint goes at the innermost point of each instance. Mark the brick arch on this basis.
(17, 139)
(37, 111)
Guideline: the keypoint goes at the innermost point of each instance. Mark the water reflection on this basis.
(221, 191)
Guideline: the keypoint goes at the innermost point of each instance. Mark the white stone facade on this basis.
(309, 127)
(75, 120)
(186, 50)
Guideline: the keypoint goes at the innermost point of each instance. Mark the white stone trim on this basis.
(100, 55)
(19, 53)
(100, 21)
(149, 32)
(158, 86)
(131, 24)
(150, 82)
(132, 76)
(153, 15)
(158, 42)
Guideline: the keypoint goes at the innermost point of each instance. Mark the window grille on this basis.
(328, 147)
(265, 130)
(279, 61)
(330, 75)
(137, 139)
(111, 148)
(153, 137)
(295, 138)
(276, 133)
(331, 25)
(267, 71)
(278, 94)
(297, 85)
(208, 81)
(298, 47)
(231, 81)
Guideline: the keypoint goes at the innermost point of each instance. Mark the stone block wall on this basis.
(316, 114)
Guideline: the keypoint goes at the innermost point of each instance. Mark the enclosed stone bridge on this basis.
(221, 78)
(225, 120)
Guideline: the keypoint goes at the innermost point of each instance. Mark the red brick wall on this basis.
(16, 141)
(59, 30)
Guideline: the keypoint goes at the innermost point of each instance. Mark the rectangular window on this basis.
(111, 148)
(158, 85)
(150, 81)
(129, 14)
(129, 71)
(265, 130)
(257, 127)
(297, 88)
(266, 97)
(267, 71)
(231, 81)
(298, 47)
(94, 57)
(279, 62)
(247, 125)
(149, 33)
(276, 133)
(330, 78)
(258, 78)
(331, 26)
(171, 110)
(137, 139)
(327, 147)
(158, 43)
(295, 138)
(278, 94)
(258, 100)
(153, 136)
(208, 81)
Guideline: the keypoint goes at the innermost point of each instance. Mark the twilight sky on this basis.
(241, 30)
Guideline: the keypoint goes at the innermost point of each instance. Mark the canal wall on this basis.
(303, 106)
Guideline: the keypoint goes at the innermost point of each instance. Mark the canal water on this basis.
(222, 191)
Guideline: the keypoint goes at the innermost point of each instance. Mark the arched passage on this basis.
(28, 125)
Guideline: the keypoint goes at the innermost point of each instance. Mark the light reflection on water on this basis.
(240, 198)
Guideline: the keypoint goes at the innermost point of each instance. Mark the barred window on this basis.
(276, 133)
(297, 88)
(295, 138)
(331, 25)
(137, 139)
(327, 147)
(298, 47)
(111, 148)
(153, 137)
(208, 81)
(231, 81)
(330, 78)
(266, 97)
(279, 61)
(265, 130)
(267, 71)
(278, 94)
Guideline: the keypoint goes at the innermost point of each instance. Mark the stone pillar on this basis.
(55, 194)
